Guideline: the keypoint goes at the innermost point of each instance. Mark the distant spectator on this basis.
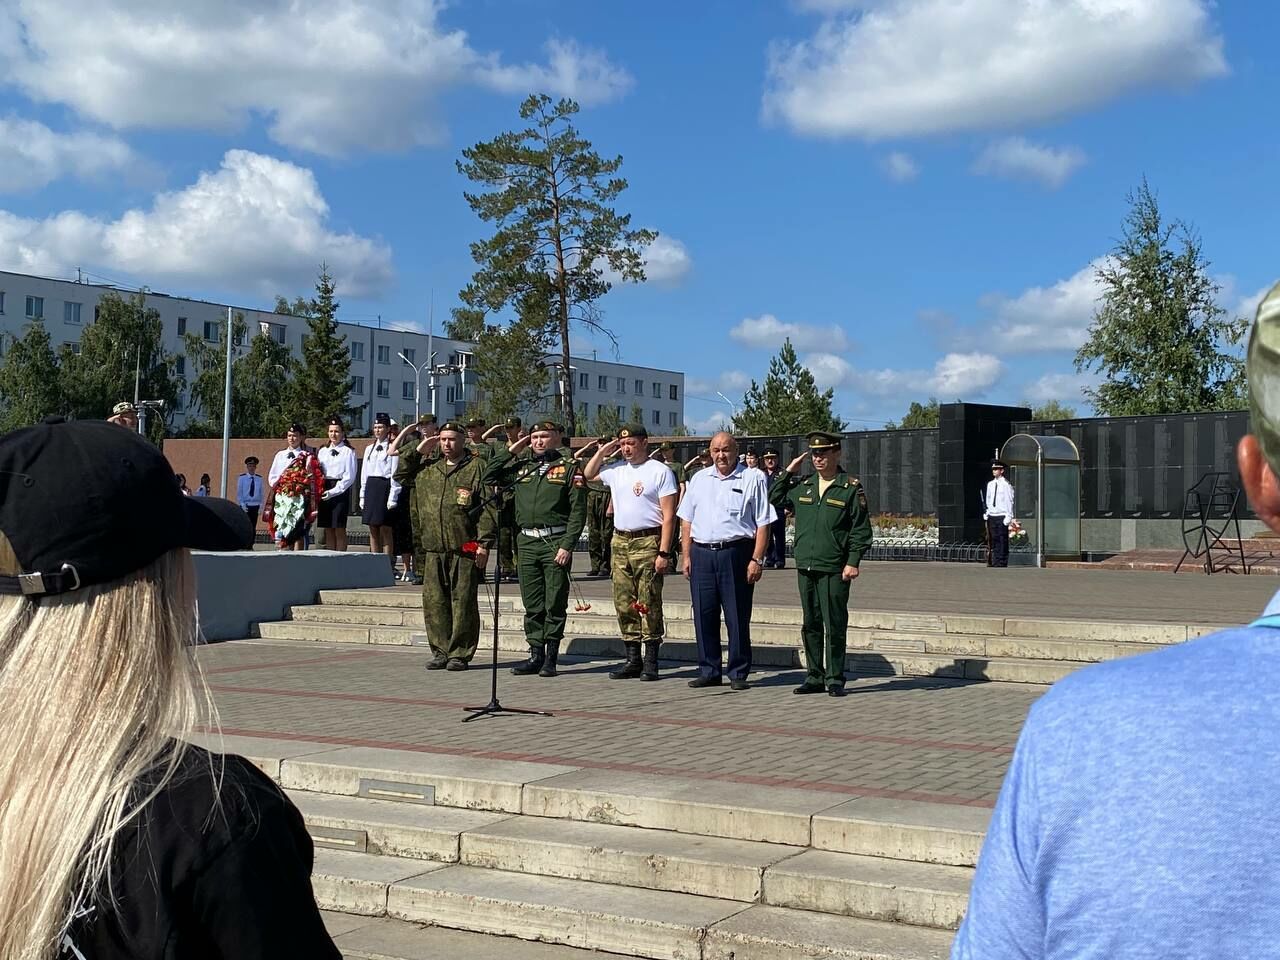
(182, 484)
(124, 414)
(206, 483)
(249, 488)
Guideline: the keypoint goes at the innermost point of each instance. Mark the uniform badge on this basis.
(638, 489)
(464, 496)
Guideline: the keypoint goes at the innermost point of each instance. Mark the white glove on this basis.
(984, 515)
(1008, 521)
(362, 504)
(391, 505)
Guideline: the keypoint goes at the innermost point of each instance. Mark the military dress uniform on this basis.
(446, 495)
(550, 510)
(833, 530)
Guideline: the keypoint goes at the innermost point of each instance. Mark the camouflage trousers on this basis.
(599, 529)
(450, 604)
(635, 583)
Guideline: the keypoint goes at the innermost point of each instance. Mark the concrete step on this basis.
(358, 882)
(777, 933)
(902, 830)
(368, 938)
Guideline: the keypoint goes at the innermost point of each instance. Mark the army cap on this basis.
(633, 430)
(453, 425)
(770, 452)
(473, 422)
(382, 418)
(666, 446)
(821, 440)
(546, 425)
(426, 420)
(513, 423)
(1262, 368)
(124, 406)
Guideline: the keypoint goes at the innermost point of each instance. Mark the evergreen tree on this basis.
(788, 402)
(550, 195)
(1052, 410)
(606, 422)
(1160, 339)
(511, 361)
(29, 384)
(917, 416)
(260, 376)
(323, 383)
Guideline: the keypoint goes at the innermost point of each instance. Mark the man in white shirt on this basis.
(338, 461)
(724, 532)
(249, 490)
(379, 491)
(998, 513)
(643, 493)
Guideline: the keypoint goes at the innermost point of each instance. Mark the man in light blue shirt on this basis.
(249, 490)
(1138, 819)
(724, 532)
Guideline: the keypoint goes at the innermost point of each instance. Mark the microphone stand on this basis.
(493, 708)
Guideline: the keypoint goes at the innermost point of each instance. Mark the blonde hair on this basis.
(95, 685)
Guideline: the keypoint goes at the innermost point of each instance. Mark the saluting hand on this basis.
(519, 444)
(849, 573)
(794, 464)
(613, 446)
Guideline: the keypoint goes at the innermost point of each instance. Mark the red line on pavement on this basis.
(643, 719)
(817, 785)
(331, 658)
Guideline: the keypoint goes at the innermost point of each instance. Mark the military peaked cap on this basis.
(821, 440)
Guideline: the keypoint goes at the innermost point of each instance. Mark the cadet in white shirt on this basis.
(338, 461)
(998, 512)
(296, 437)
(724, 532)
(379, 492)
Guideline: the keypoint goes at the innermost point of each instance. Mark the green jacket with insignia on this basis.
(444, 496)
(830, 533)
(544, 498)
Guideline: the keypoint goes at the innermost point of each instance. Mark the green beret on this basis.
(633, 430)
(426, 420)
(473, 422)
(546, 425)
(453, 425)
(666, 446)
(513, 423)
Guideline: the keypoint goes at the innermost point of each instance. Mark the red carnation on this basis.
(639, 608)
(470, 547)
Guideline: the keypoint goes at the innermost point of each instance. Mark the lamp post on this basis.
(226, 407)
(732, 406)
(417, 386)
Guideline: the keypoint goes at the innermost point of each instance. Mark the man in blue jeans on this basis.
(1138, 817)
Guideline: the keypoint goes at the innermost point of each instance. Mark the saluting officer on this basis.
(507, 513)
(833, 530)
(599, 517)
(416, 434)
(550, 511)
(476, 438)
(449, 488)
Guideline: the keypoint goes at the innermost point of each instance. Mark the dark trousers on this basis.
(252, 514)
(824, 598)
(776, 553)
(544, 588)
(718, 583)
(999, 541)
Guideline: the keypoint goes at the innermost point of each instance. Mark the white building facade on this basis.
(384, 381)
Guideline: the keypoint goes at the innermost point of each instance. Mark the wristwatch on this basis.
(757, 562)
(665, 554)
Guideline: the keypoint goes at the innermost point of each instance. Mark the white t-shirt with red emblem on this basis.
(637, 489)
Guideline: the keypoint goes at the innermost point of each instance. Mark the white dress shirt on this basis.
(637, 492)
(282, 460)
(378, 463)
(719, 507)
(249, 490)
(338, 463)
(999, 499)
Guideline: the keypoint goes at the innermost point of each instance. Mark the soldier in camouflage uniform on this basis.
(599, 519)
(475, 441)
(415, 434)
(447, 488)
(507, 515)
(551, 509)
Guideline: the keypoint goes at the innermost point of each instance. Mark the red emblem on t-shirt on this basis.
(638, 488)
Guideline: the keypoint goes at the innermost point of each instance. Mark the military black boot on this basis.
(532, 665)
(632, 666)
(552, 648)
(650, 671)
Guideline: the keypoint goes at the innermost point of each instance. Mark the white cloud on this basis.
(1247, 307)
(32, 155)
(956, 375)
(730, 382)
(768, 332)
(828, 369)
(1056, 317)
(329, 76)
(1067, 388)
(1016, 158)
(900, 168)
(256, 223)
(912, 67)
(667, 261)
(711, 423)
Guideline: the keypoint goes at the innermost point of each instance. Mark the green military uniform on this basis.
(832, 531)
(507, 513)
(450, 578)
(406, 492)
(599, 526)
(550, 510)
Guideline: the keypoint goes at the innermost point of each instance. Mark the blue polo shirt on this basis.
(1140, 817)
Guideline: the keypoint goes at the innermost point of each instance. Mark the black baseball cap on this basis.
(86, 502)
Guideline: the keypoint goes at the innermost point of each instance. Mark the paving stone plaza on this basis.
(649, 819)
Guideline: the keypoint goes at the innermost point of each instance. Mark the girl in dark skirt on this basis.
(379, 493)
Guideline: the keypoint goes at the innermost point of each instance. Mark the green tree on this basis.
(606, 422)
(1159, 338)
(511, 360)
(550, 196)
(260, 377)
(465, 323)
(301, 307)
(917, 416)
(323, 383)
(125, 339)
(1052, 410)
(788, 402)
(30, 389)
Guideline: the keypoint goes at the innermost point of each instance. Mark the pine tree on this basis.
(29, 384)
(788, 402)
(917, 416)
(323, 384)
(260, 376)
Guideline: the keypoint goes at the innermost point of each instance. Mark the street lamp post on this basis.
(417, 386)
(732, 406)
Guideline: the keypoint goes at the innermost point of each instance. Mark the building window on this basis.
(599, 409)
(211, 330)
(584, 379)
(451, 395)
(582, 411)
(674, 392)
(182, 322)
(622, 414)
(179, 404)
(35, 308)
(602, 383)
(657, 418)
(75, 348)
(639, 389)
(657, 391)
(357, 386)
(70, 311)
(276, 331)
(410, 354)
(671, 419)
(180, 367)
(406, 390)
(384, 354)
(622, 384)
(1, 301)
(357, 350)
(384, 388)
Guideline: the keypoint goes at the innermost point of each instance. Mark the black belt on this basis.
(633, 534)
(723, 544)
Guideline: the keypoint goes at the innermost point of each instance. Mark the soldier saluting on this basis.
(833, 530)
(550, 512)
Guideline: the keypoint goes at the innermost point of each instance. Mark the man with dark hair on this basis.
(776, 556)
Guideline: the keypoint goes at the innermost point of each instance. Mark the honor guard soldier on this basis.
(666, 454)
(449, 487)
(833, 531)
(338, 461)
(550, 510)
(997, 511)
(379, 493)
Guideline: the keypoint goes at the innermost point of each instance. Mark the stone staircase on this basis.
(952, 646)
(409, 843)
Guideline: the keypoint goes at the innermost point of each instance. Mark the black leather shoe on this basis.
(437, 662)
(698, 682)
(807, 688)
(739, 685)
(835, 691)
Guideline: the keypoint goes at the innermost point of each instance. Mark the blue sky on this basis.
(914, 190)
